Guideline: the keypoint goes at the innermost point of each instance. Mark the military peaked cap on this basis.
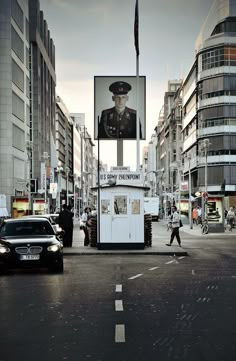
(120, 87)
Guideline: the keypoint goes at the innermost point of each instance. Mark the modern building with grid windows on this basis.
(14, 98)
(209, 106)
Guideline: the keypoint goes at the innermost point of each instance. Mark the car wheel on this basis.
(58, 267)
(3, 270)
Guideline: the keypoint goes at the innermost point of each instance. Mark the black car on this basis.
(30, 242)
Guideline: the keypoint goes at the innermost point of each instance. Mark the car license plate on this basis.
(29, 257)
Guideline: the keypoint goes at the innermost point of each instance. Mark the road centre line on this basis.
(169, 262)
(118, 288)
(139, 275)
(153, 268)
(119, 305)
(120, 333)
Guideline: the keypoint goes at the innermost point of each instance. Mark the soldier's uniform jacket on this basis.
(115, 125)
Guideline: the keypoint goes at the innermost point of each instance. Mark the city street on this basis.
(126, 307)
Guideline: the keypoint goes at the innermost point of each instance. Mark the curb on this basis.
(119, 252)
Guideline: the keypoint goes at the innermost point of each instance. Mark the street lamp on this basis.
(156, 172)
(189, 194)
(75, 203)
(59, 169)
(45, 157)
(204, 146)
(29, 147)
(176, 166)
(67, 185)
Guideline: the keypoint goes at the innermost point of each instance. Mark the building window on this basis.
(27, 87)
(27, 30)
(227, 26)
(219, 57)
(17, 14)
(17, 107)
(17, 76)
(17, 44)
(18, 138)
(28, 115)
(27, 57)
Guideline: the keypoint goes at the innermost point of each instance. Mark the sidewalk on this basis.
(159, 239)
(158, 246)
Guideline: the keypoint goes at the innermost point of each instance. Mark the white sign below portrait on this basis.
(126, 178)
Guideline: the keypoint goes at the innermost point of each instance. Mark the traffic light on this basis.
(33, 185)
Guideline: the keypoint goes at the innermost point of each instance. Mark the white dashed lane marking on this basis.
(119, 305)
(181, 257)
(118, 288)
(153, 268)
(120, 333)
(193, 272)
(139, 275)
(170, 262)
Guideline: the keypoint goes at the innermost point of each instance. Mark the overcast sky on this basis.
(95, 37)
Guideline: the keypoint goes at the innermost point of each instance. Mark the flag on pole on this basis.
(136, 26)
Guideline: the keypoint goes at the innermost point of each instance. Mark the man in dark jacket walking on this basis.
(66, 223)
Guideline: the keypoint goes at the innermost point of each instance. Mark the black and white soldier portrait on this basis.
(119, 120)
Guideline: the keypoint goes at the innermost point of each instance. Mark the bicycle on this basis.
(205, 226)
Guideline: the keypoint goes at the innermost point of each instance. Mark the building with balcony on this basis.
(169, 144)
(64, 148)
(42, 91)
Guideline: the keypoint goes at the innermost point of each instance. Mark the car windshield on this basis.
(23, 228)
(55, 218)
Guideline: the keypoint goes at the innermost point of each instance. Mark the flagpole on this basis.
(137, 115)
(136, 43)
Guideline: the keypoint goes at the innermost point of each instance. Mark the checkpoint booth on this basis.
(121, 211)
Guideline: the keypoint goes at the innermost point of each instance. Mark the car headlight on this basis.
(4, 250)
(53, 248)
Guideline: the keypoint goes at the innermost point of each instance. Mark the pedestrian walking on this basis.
(231, 218)
(175, 227)
(65, 220)
(195, 215)
(199, 215)
(85, 219)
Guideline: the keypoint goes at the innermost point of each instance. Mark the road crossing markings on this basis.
(181, 257)
(139, 275)
(119, 305)
(153, 268)
(204, 299)
(120, 333)
(118, 288)
(170, 262)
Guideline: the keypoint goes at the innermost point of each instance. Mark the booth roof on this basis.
(104, 186)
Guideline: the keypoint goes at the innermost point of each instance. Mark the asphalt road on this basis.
(138, 308)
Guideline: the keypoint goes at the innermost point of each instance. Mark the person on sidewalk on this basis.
(175, 227)
(65, 221)
(85, 219)
(199, 215)
(195, 215)
(231, 218)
